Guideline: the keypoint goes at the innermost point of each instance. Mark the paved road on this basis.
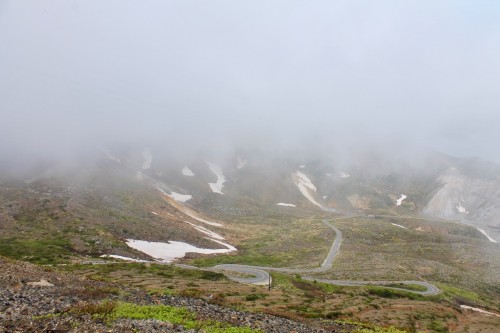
(249, 274)
(261, 275)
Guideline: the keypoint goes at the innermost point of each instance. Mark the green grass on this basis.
(110, 311)
(391, 293)
(165, 271)
(380, 330)
(41, 251)
(278, 243)
(455, 292)
(288, 282)
(415, 287)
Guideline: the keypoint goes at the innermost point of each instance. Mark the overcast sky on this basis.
(192, 72)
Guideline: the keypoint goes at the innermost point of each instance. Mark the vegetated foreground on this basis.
(75, 218)
(36, 299)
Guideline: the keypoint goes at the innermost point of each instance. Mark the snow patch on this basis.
(304, 184)
(461, 209)
(302, 166)
(189, 212)
(344, 175)
(400, 200)
(217, 170)
(466, 307)
(205, 231)
(324, 197)
(169, 251)
(303, 179)
(487, 236)
(241, 163)
(121, 257)
(147, 159)
(180, 197)
(187, 172)
(398, 225)
(285, 204)
(155, 213)
(176, 196)
(328, 174)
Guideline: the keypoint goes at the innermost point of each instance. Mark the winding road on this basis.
(260, 275)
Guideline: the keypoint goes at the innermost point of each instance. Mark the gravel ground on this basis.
(33, 308)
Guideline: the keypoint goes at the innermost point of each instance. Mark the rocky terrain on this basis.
(37, 299)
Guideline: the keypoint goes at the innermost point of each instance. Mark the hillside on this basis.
(430, 221)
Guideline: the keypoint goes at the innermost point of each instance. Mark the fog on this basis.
(284, 74)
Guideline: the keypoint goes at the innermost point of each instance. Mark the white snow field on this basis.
(466, 307)
(461, 209)
(187, 172)
(121, 257)
(189, 212)
(487, 236)
(304, 185)
(169, 251)
(205, 231)
(400, 200)
(180, 197)
(285, 204)
(217, 170)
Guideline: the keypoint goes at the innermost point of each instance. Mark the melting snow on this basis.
(241, 163)
(285, 204)
(302, 166)
(304, 184)
(400, 200)
(189, 212)
(187, 172)
(148, 158)
(205, 231)
(398, 225)
(466, 307)
(303, 179)
(180, 197)
(172, 250)
(487, 236)
(192, 214)
(121, 257)
(461, 209)
(344, 175)
(216, 169)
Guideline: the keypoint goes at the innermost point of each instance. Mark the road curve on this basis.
(260, 275)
